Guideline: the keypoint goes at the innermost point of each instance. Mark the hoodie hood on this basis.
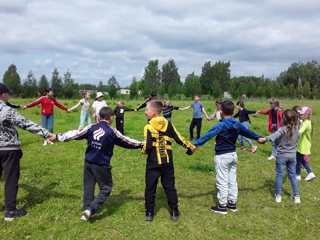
(159, 123)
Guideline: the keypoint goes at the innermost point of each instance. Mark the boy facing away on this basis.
(159, 134)
(101, 138)
(226, 132)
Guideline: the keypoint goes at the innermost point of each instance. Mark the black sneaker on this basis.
(232, 207)
(174, 214)
(149, 216)
(11, 215)
(219, 209)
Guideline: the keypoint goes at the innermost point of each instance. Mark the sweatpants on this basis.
(10, 170)
(96, 174)
(120, 125)
(166, 174)
(196, 122)
(226, 178)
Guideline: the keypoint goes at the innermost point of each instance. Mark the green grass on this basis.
(51, 190)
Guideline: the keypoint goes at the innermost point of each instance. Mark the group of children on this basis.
(290, 135)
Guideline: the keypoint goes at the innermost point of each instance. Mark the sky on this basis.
(99, 38)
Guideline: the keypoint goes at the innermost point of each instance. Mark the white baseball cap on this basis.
(99, 95)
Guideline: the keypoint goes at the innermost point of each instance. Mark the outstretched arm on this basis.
(247, 133)
(75, 106)
(212, 133)
(12, 105)
(126, 142)
(34, 103)
(74, 135)
(60, 105)
(173, 133)
(276, 135)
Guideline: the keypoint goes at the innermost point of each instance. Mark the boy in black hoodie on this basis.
(158, 136)
(119, 111)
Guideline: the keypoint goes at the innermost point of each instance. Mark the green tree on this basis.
(134, 88)
(192, 85)
(69, 87)
(113, 87)
(206, 78)
(170, 78)
(306, 90)
(29, 88)
(43, 83)
(12, 79)
(152, 77)
(56, 83)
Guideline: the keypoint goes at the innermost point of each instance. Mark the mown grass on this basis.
(51, 189)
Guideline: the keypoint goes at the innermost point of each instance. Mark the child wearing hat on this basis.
(98, 104)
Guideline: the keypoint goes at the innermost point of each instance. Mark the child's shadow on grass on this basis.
(268, 185)
(37, 195)
(114, 202)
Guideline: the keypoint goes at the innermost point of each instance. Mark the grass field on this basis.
(51, 189)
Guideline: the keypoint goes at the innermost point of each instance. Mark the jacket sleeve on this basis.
(246, 132)
(59, 105)
(74, 134)
(173, 133)
(276, 135)
(147, 144)
(12, 105)
(264, 111)
(35, 103)
(143, 105)
(236, 115)
(251, 112)
(303, 128)
(18, 120)
(212, 133)
(128, 109)
(76, 106)
(126, 142)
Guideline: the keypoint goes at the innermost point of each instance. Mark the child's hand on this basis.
(262, 140)
(52, 137)
(189, 152)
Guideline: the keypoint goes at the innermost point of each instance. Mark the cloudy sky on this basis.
(99, 38)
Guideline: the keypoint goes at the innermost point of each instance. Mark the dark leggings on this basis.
(196, 122)
(303, 162)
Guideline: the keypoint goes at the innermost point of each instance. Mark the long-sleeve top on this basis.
(12, 105)
(84, 103)
(119, 111)
(47, 105)
(274, 118)
(101, 138)
(217, 114)
(159, 134)
(286, 145)
(167, 110)
(226, 132)
(304, 144)
(243, 115)
(9, 120)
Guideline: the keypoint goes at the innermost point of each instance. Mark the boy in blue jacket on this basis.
(226, 132)
(101, 138)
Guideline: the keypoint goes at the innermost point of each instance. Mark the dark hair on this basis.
(106, 113)
(290, 119)
(240, 103)
(4, 89)
(276, 103)
(227, 107)
(157, 105)
(46, 91)
(296, 108)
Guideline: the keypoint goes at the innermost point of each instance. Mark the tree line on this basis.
(300, 80)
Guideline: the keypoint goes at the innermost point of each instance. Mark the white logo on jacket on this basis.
(97, 134)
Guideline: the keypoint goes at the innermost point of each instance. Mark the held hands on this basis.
(262, 140)
(52, 137)
(191, 150)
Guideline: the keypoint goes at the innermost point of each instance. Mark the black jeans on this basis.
(10, 167)
(196, 122)
(96, 174)
(119, 125)
(166, 173)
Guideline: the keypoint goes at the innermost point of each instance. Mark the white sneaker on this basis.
(85, 215)
(298, 177)
(45, 143)
(297, 200)
(310, 177)
(278, 198)
(271, 158)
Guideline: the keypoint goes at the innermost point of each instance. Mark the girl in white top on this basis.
(84, 103)
(98, 104)
(216, 114)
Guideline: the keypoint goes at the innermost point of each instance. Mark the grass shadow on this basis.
(200, 167)
(37, 195)
(268, 184)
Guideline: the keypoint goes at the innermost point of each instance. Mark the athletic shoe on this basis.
(254, 149)
(11, 215)
(149, 216)
(86, 215)
(174, 214)
(220, 209)
(45, 143)
(310, 177)
(297, 200)
(232, 207)
(278, 198)
(271, 158)
(298, 177)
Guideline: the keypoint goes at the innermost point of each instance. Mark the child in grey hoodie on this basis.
(286, 139)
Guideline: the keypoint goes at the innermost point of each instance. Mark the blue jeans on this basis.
(85, 119)
(47, 122)
(242, 138)
(283, 162)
